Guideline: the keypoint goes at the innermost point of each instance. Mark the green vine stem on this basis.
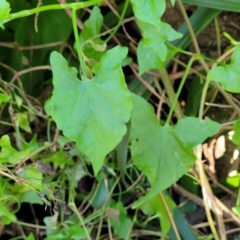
(175, 101)
(78, 44)
(119, 22)
(171, 94)
(26, 13)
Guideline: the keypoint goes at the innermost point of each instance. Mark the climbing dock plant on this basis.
(100, 113)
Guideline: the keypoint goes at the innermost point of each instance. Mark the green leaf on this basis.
(31, 197)
(22, 121)
(193, 131)
(4, 11)
(155, 34)
(93, 25)
(6, 217)
(149, 11)
(10, 155)
(228, 75)
(30, 237)
(154, 37)
(148, 58)
(155, 205)
(156, 150)
(236, 135)
(4, 98)
(123, 223)
(60, 158)
(93, 48)
(92, 112)
(76, 232)
(236, 210)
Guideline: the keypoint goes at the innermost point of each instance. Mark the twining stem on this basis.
(170, 92)
(119, 22)
(78, 44)
(26, 13)
(175, 101)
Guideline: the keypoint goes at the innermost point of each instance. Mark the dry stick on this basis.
(18, 74)
(219, 184)
(191, 32)
(208, 198)
(178, 75)
(159, 108)
(14, 45)
(148, 86)
(36, 16)
(170, 217)
(218, 36)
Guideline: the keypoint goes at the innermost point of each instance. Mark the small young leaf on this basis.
(22, 121)
(155, 37)
(8, 154)
(92, 112)
(228, 75)
(193, 131)
(60, 158)
(123, 223)
(93, 48)
(4, 11)
(149, 11)
(148, 58)
(4, 98)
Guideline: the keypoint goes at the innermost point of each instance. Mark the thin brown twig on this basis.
(148, 86)
(38, 68)
(170, 216)
(36, 16)
(14, 45)
(199, 201)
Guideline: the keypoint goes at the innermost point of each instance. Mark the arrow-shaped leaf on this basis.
(92, 112)
(162, 153)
